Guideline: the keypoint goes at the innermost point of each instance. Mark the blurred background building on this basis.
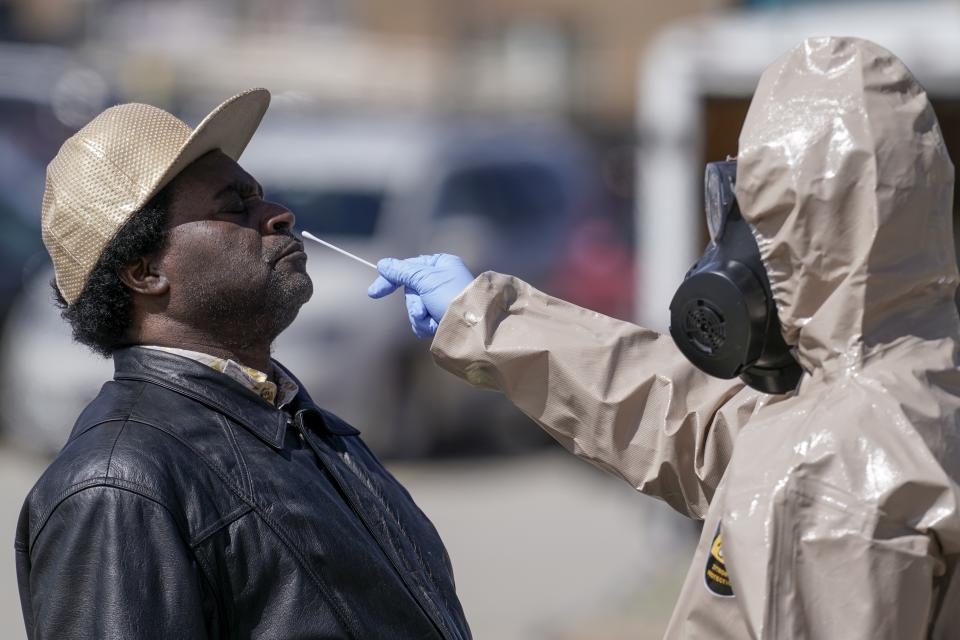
(557, 140)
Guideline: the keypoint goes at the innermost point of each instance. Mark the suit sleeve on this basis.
(620, 396)
(111, 563)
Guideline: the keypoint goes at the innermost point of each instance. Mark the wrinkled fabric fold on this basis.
(618, 395)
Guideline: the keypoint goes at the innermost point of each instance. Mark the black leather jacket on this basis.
(184, 506)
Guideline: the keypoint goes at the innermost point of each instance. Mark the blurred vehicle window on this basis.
(505, 194)
(333, 212)
(19, 239)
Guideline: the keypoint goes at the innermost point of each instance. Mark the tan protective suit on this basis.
(832, 512)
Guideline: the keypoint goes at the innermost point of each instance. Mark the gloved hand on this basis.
(430, 285)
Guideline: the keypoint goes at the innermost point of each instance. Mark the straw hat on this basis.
(113, 166)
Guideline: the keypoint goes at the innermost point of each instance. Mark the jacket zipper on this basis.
(298, 423)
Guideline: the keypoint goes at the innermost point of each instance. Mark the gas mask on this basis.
(723, 317)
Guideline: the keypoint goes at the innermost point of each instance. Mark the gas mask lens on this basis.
(719, 195)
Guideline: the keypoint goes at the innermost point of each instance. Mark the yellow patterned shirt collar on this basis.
(278, 394)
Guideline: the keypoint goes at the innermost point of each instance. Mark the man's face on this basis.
(230, 258)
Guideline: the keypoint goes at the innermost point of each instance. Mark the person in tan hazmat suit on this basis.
(826, 472)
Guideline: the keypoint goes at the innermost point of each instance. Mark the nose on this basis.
(278, 219)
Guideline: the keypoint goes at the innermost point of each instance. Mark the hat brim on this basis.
(227, 128)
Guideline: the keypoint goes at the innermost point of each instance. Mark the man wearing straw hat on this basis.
(202, 493)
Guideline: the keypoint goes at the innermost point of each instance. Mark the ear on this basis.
(144, 276)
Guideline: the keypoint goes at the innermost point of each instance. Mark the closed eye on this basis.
(237, 196)
(238, 202)
(234, 204)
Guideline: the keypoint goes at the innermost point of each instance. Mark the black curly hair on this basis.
(102, 313)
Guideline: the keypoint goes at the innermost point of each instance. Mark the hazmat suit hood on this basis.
(832, 511)
(845, 179)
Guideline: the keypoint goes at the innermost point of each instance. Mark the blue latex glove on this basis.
(430, 285)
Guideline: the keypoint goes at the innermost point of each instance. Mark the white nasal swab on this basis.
(310, 236)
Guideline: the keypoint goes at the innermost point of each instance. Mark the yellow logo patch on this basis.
(716, 576)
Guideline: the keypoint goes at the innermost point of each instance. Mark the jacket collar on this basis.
(313, 415)
(221, 393)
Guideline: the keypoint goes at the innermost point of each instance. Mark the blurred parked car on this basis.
(518, 199)
(38, 110)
